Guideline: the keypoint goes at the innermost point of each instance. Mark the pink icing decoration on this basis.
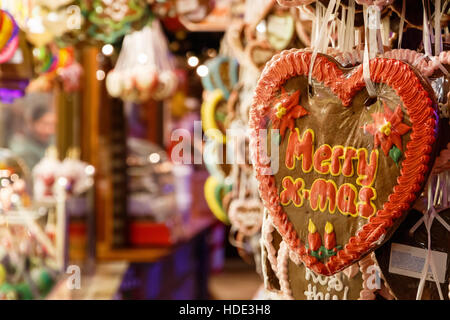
(282, 274)
(267, 229)
(414, 58)
(444, 57)
(364, 264)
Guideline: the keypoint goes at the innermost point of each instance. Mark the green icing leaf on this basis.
(323, 252)
(395, 154)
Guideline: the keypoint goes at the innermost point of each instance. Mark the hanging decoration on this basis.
(144, 69)
(55, 64)
(113, 19)
(47, 23)
(204, 15)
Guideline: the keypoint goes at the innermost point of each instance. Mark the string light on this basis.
(89, 170)
(52, 16)
(193, 61)
(101, 75)
(107, 49)
(63, 182)
(261, 27)
(154, 158)
(202, 70)
(142, 58)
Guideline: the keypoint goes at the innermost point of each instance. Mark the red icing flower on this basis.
(286, 110)
(387, 128)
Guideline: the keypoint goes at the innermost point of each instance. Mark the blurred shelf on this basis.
(153, 254)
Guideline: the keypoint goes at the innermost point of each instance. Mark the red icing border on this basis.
(415, 165)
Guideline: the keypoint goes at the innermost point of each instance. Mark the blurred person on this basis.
(37, 136)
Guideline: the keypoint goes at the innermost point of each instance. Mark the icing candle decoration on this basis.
(346, 170)
(314, 239)
(329, 237)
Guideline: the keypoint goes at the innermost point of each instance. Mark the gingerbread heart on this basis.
(259, 52)
(246, 215)
(223, 75)
(215, 192)
(347, 172)
(234, 37)
(213, 113)
(280, 30)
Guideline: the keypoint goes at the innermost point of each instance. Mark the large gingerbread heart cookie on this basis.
(349, 167)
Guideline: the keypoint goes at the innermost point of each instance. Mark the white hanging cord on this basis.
(366, 59)
(427, 44)
(122, 56)
(374, 32)
(385, 30)
(333, 27)
(437, 28)
(349, 35)
(316, 22)
(427, 219)
(341, 30)
(402, 23)
(429, 261)
(426, 33)
(319, 37)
